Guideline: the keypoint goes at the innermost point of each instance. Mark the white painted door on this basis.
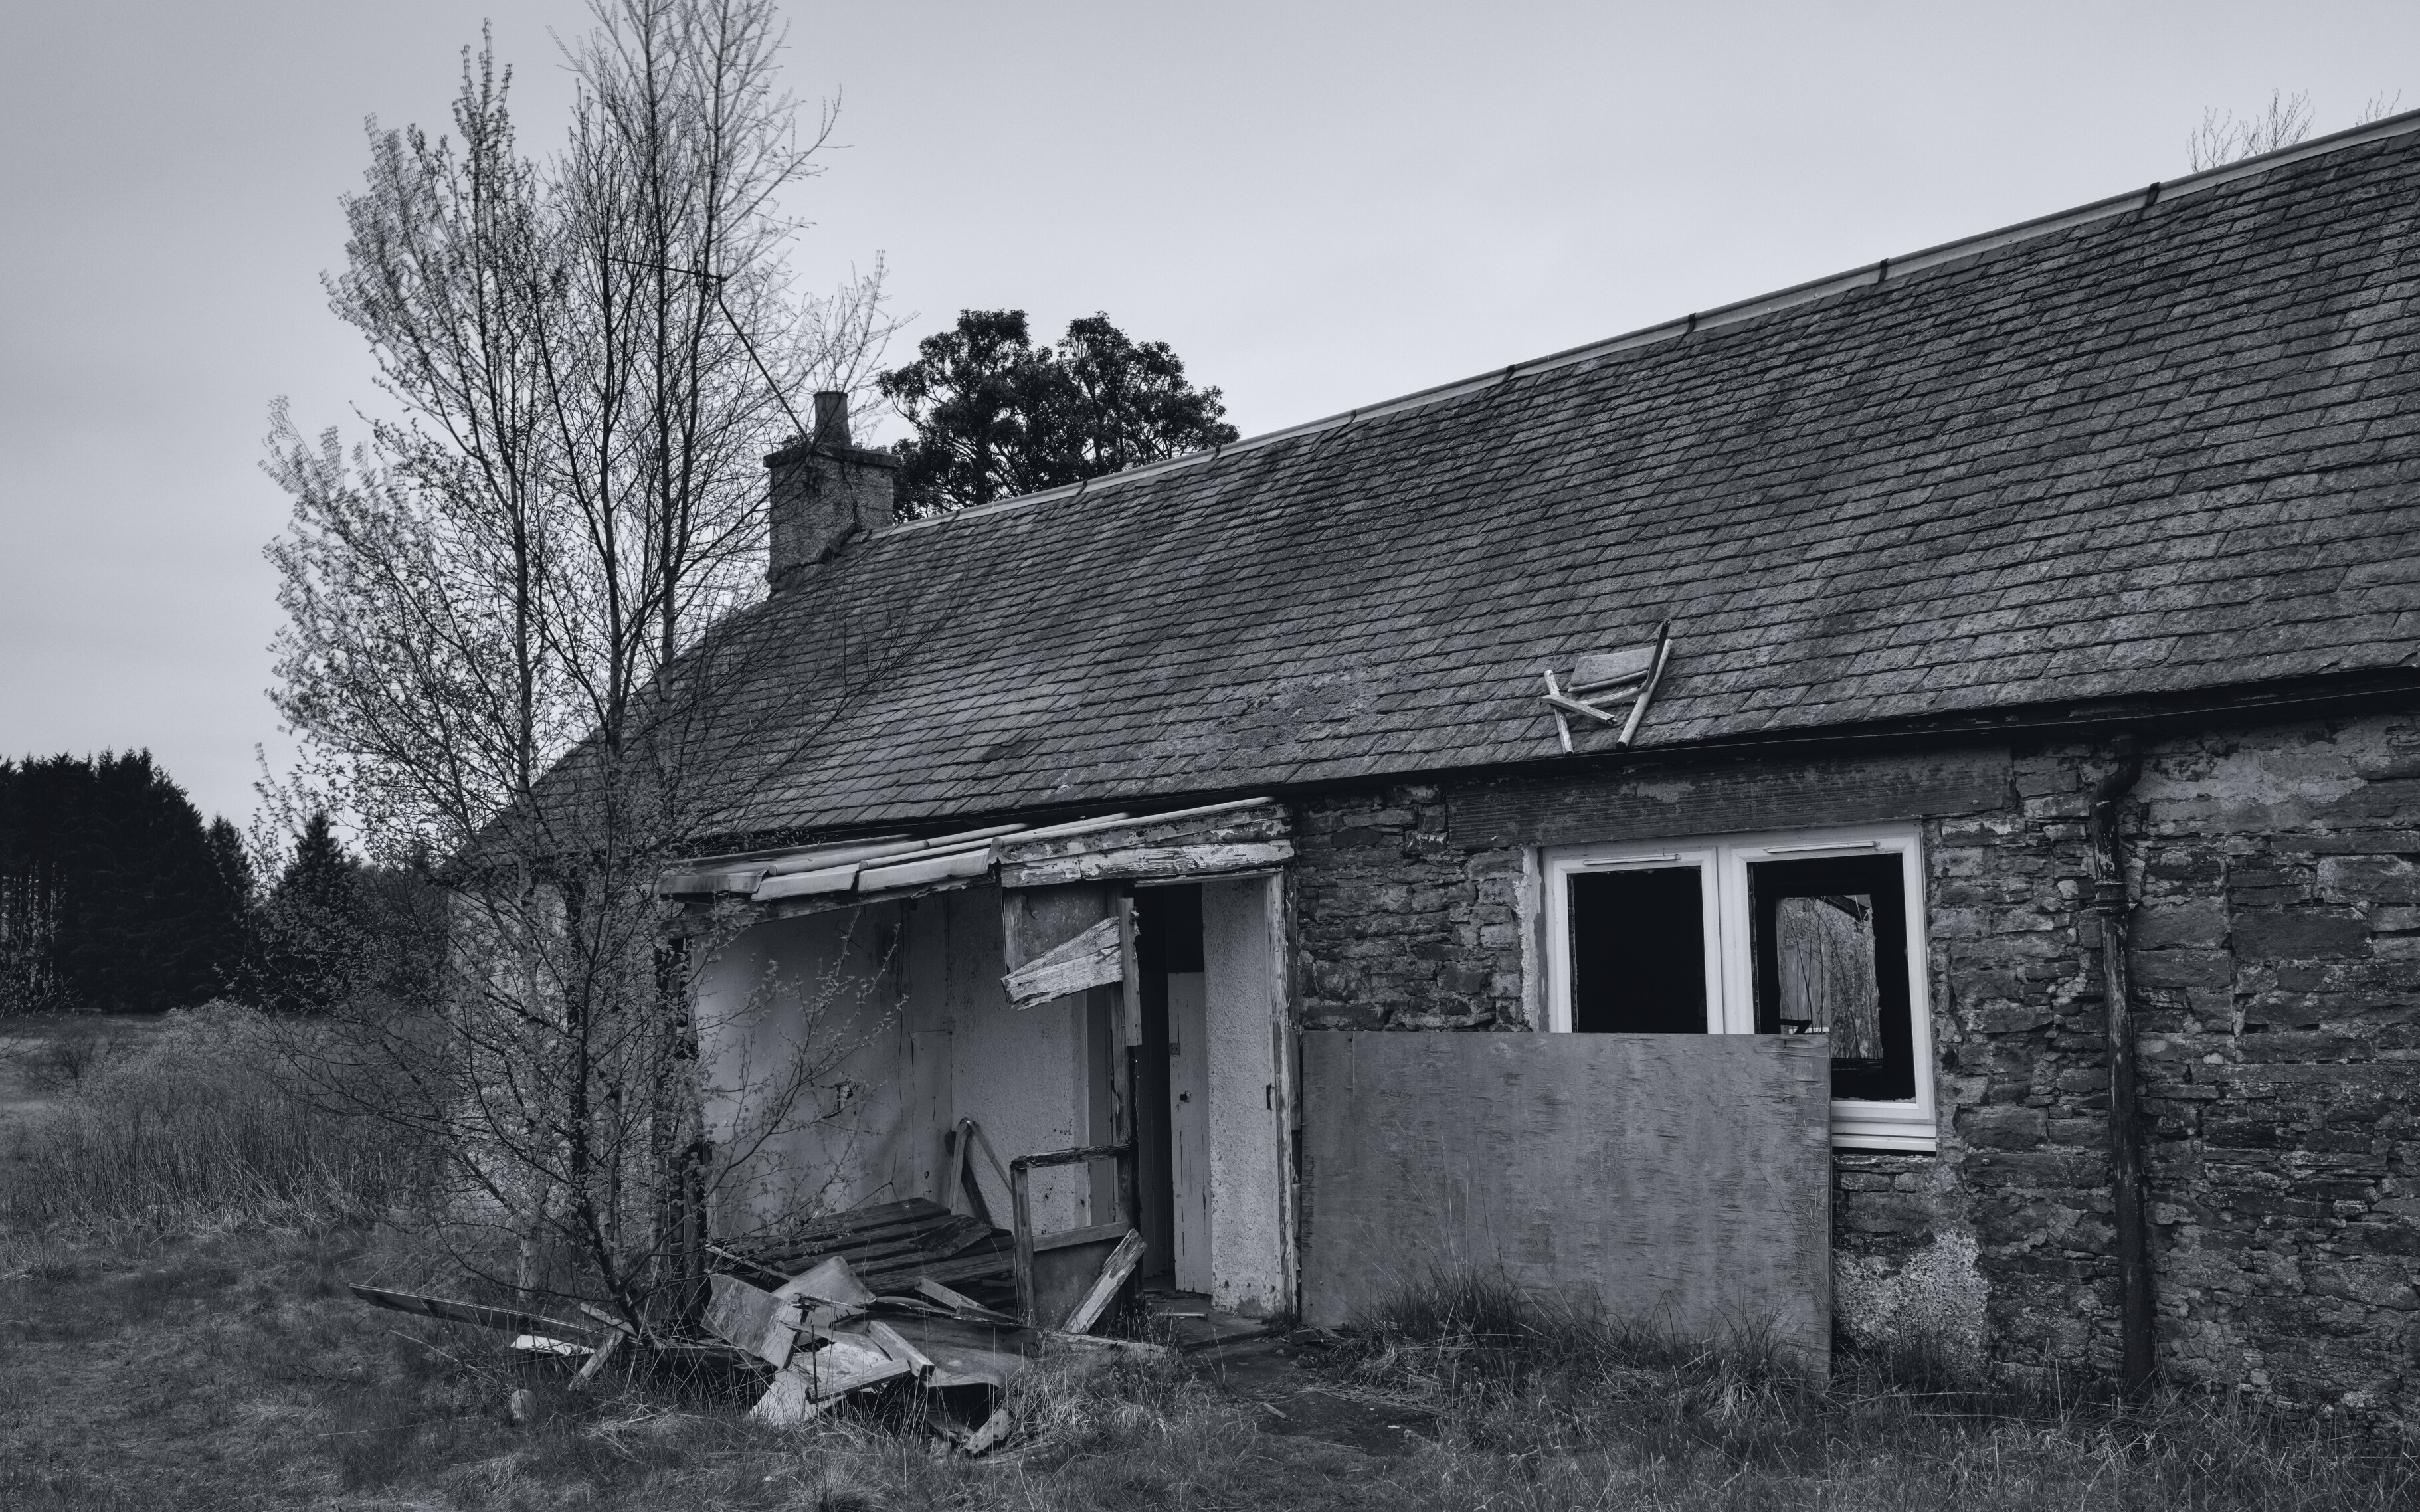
(1188, 1115)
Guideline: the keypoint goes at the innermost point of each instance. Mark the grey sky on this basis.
(1319, 204)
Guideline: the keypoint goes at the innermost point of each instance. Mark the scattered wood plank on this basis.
(994, 1428)
(594, 1364)
(1114, 1272)
(831, 1281)
(790, 1402)
(896, 1346)
(503, 1319)
(961, 1306)
(848, 1360)
(540, 1343)
(750, 1319)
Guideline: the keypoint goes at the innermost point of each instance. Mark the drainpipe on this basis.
(2128, 1183)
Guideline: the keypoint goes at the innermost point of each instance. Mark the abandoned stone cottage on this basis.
(1963, 614)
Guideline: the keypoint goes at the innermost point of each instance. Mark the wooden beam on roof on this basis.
(1168, 862)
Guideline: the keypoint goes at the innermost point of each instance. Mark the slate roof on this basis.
(2131, 451)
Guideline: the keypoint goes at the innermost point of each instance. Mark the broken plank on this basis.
(962, 1306)
(831, 1281)
(506, 1320)
(848, 1360)
(994, 1430)
(835, 1225)
(970, 1268)
(1090, 959)
(592, 1367)
(747, 1318)
(1647, 693)
(1114, 1272)
(790, 1402)
(896, 1346)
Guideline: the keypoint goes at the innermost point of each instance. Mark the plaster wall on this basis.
(899, 1014)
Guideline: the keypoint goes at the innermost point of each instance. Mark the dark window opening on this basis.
(1831, 953)
(1639, 951)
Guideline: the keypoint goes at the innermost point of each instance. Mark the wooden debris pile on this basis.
(857, 1304)
(889, 1247)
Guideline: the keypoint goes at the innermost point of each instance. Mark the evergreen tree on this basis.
(112, 896)
(997, 416)
(313, 934)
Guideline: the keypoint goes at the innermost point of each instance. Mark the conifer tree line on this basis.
(116, 898)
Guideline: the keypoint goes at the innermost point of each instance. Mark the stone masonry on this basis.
(2277, 961)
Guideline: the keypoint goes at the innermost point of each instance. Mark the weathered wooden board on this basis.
(1680, 1180)
(1727, 798)
(1148, 862)
(1092, 958)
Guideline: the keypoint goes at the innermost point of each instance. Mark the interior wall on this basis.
(1022, 1074)
(900, 1008)
(1246, 1150)
(818, 995)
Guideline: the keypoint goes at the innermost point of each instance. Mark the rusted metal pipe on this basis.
(2128, 1182)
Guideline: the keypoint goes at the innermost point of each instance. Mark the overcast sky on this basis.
(1319, 204)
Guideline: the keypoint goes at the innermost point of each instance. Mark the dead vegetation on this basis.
(177, 1330)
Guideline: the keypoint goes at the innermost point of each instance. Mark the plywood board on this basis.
(1678, 1180)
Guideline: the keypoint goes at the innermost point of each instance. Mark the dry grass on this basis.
(233, 1372)
(181, 1128)
(175, 1333)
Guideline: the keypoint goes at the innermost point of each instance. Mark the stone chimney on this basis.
(826, 493)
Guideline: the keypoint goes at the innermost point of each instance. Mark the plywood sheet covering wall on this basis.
(1679, 1180)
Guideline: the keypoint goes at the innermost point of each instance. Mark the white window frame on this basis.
(1909, 1125)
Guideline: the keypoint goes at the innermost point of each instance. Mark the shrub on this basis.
(199, 1127)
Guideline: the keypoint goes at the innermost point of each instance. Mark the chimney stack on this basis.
(825, 494)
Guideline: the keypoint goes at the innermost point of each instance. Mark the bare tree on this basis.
(2221, 138)
(507, 634)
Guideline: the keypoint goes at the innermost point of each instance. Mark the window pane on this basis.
(1639, 951)
(1831, 953)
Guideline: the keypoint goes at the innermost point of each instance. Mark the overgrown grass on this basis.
(177, 1230)
(232, 1371)
(1594, 1414)
(193, 1128)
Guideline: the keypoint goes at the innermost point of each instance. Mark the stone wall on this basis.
(2278, 958)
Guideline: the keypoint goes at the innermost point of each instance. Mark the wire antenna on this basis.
(715, 282)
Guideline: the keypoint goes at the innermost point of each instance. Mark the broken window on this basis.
(1814, 932)
(1638, 962)
(1831, 956)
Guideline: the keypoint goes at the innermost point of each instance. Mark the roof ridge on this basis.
(1737, 311)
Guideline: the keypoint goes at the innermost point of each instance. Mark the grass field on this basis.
(202, 1352)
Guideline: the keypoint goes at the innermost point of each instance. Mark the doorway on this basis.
(1212, 1095)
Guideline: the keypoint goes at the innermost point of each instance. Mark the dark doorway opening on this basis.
(1168, 941)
